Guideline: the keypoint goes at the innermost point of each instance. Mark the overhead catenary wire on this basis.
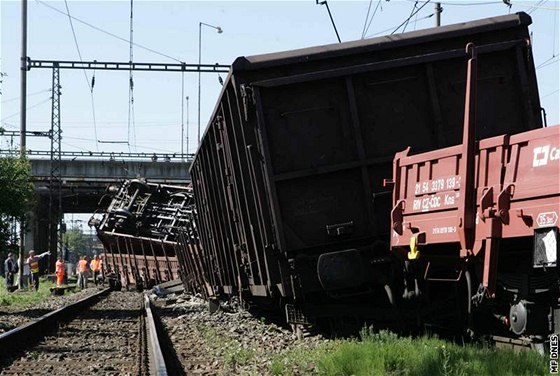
(549, 94)
(548, 62)
(90, 85)
(534, 7)
(28, 95)
(27, 109)
(392, 28)
(367, 18)
(518, 4)
(76, 41)
(371, 19)
(416, 20)
(108, 32)
(462, 3)
(411, 15)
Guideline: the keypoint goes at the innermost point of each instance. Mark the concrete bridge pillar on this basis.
(37, 231)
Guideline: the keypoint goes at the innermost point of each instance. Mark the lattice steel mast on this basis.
(55, 182)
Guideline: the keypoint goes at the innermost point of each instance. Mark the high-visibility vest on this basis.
(59, 267)
(82, 266)
(95, 265)
(33, 264)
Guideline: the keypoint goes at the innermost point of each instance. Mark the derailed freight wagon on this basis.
(139, 231)
(288, 178)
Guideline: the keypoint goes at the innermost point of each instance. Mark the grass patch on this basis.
(22, 299)
(387, 354)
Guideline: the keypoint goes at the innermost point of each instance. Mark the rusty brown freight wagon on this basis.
(288, 178)
(139, 231)
(476, 225)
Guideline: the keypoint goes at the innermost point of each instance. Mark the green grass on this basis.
(22, 299)
(387, 354)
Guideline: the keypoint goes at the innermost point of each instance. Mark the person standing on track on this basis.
(95, 266)
(82, 273)
(10, 269)
(59, 271)
(33, 262)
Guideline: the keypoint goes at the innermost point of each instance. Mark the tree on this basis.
(16, 189)
(16, 195)
(76, 241)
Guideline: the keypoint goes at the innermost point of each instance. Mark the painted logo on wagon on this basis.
(543, 154)
(547, 219)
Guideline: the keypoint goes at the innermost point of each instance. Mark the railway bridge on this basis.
(84, 178)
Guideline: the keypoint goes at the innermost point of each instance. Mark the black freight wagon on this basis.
(289, 174)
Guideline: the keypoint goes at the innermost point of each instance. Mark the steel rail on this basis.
(35, 330)
(157, 362)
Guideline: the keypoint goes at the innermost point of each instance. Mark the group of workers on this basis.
(31, 270)
(84, 267)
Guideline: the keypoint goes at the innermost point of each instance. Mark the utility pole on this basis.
(439, 9)
(22, 125)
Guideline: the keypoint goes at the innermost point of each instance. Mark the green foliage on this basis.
(387, 354)
(16, 189)
(16, 197)
(77, 241)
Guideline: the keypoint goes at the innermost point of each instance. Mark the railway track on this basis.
(110, 333)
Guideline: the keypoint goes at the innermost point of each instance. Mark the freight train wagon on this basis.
(478, 223)
(138, 230)
(288, 178)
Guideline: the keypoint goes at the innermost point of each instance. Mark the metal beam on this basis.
(127, 66)
(27, 133)
(154, 157)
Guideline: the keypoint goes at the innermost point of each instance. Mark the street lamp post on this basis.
(219, 30)
(183, 116)
(187, 98)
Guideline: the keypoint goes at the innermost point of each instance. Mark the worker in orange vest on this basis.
(59, 271)
(33, 261)
(95, 266)
(82, 273)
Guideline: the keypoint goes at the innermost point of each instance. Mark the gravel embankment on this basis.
(226, 343)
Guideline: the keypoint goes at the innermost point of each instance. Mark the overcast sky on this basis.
(171, 30)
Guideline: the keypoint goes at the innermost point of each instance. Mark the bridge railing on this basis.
(154, 157)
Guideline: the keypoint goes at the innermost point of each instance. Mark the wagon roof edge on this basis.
(255, 62)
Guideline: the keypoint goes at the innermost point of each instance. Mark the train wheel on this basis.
(138, 185)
